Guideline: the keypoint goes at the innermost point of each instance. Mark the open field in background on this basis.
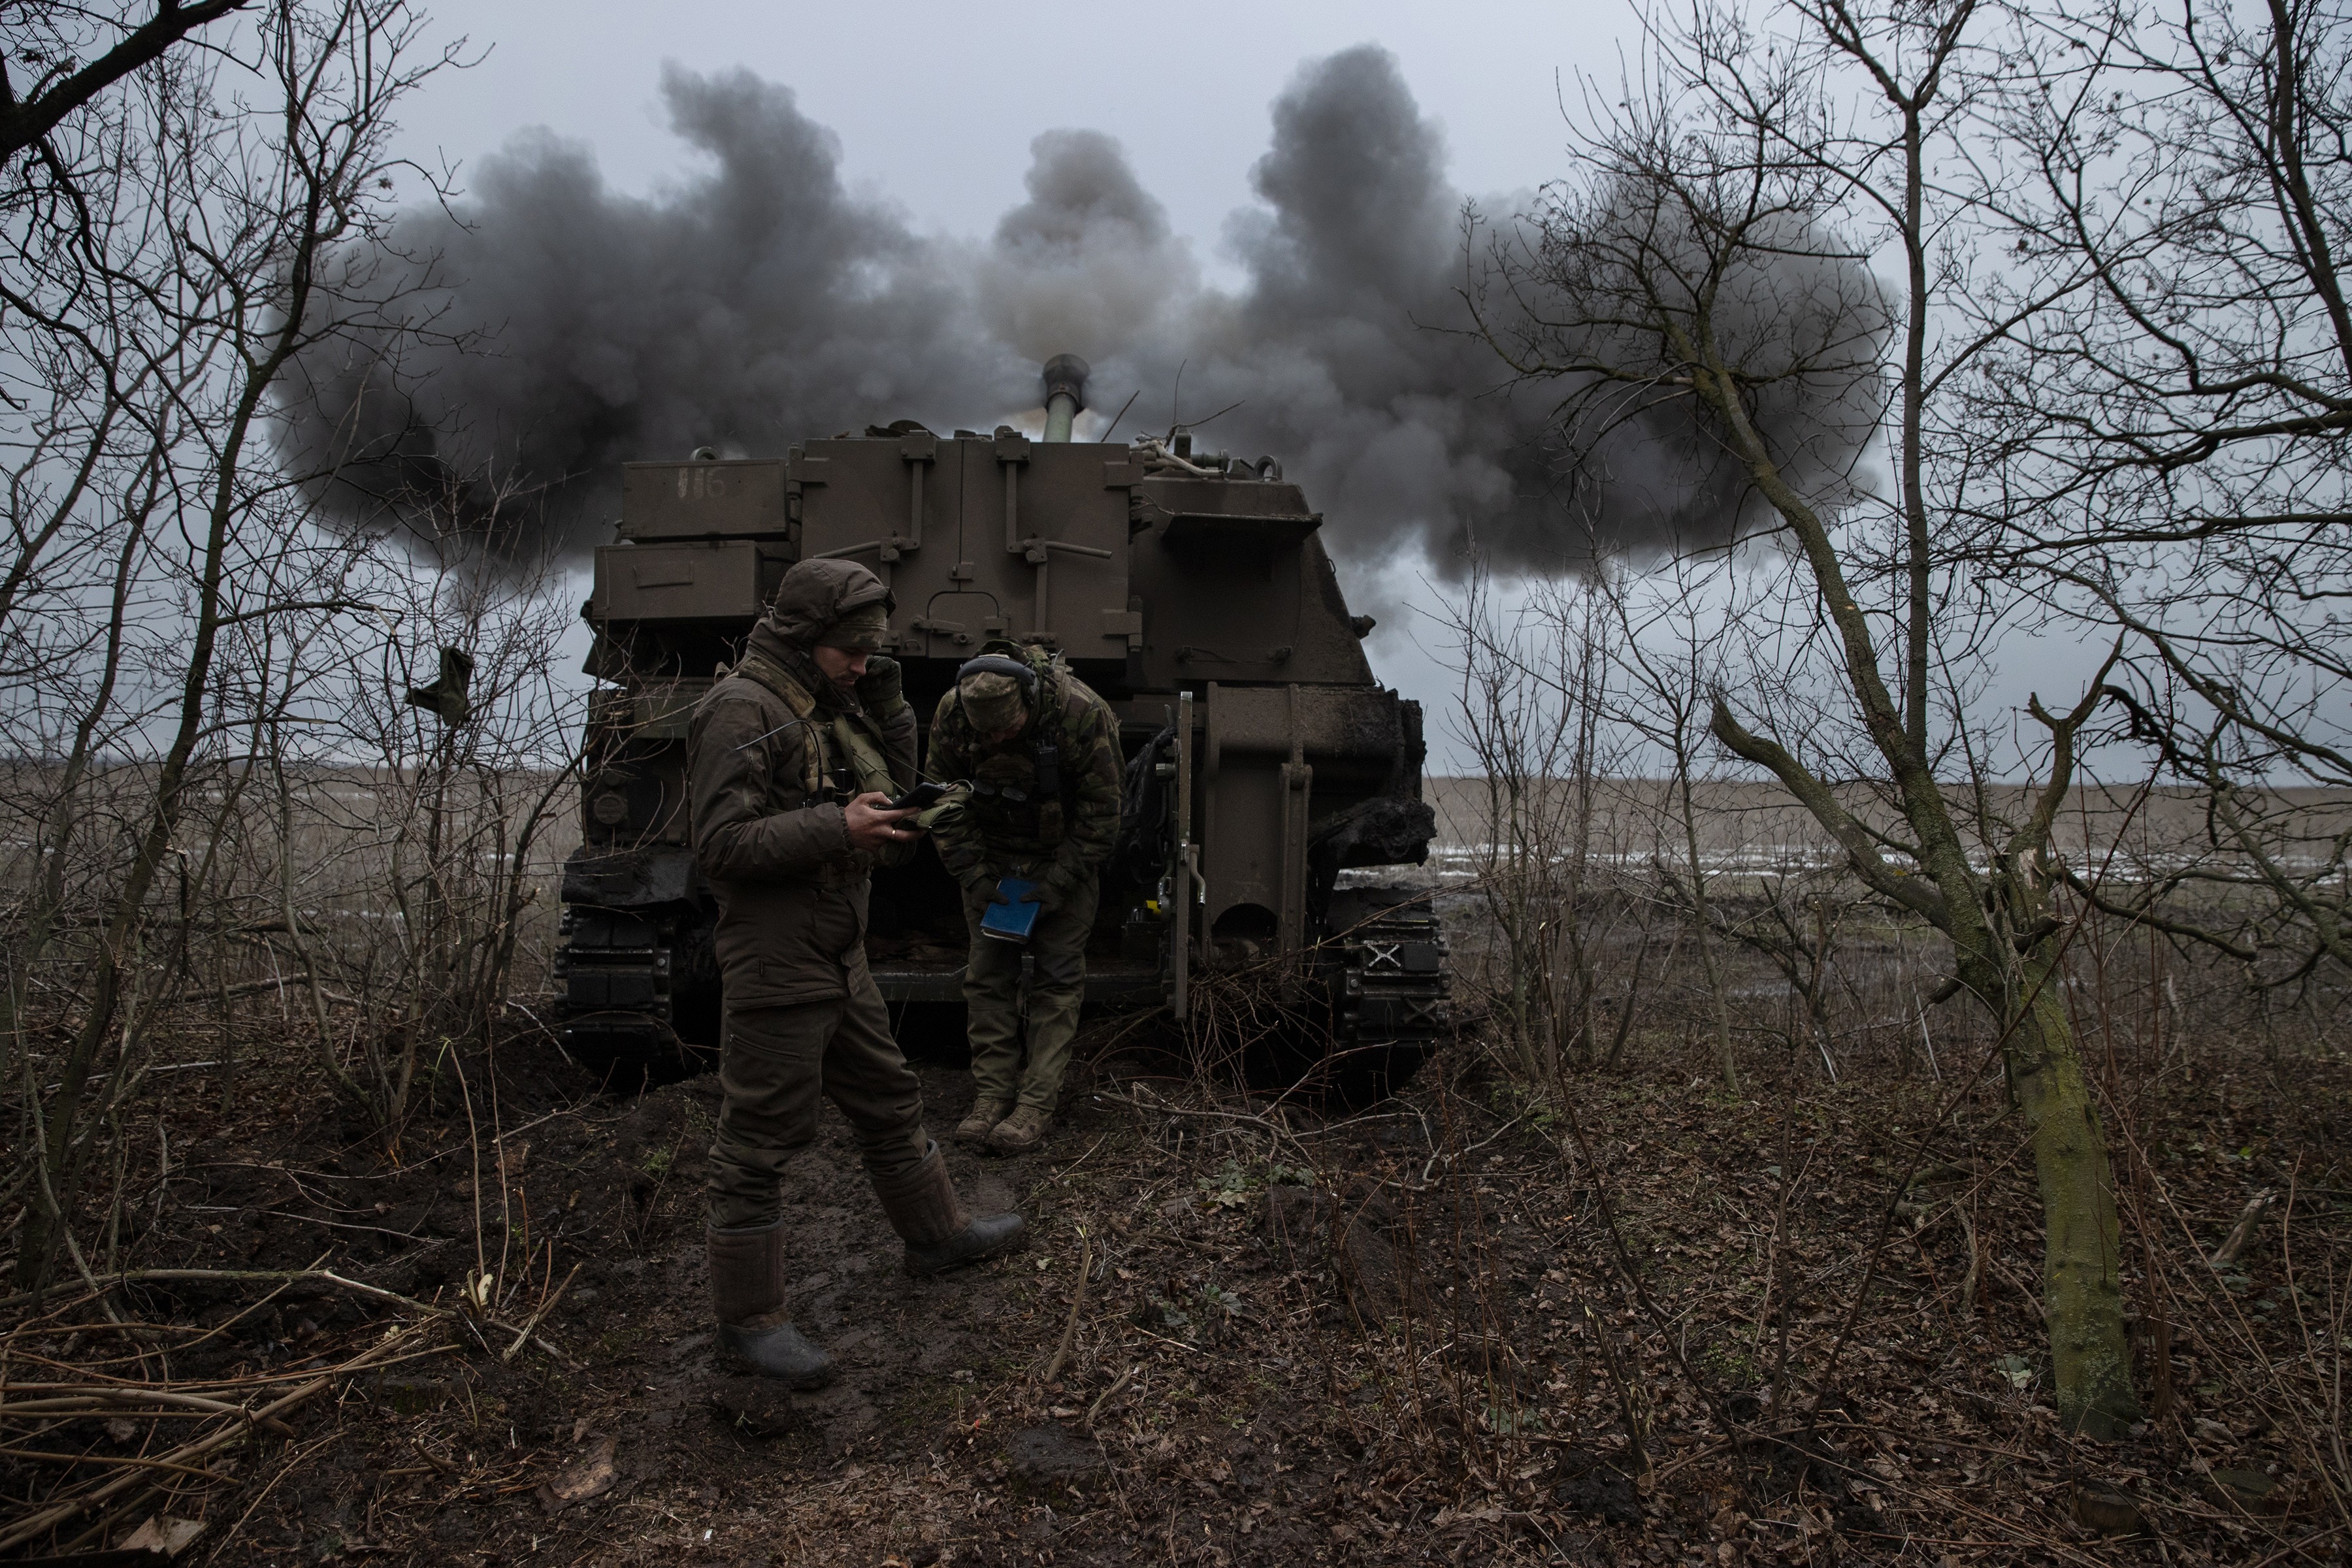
(1808, 963)
(357, 832)
(371, 851)
(359, 854)
(359, 837)
(2122, 833)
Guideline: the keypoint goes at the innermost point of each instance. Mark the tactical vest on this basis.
(1040, 811)
(841, 758)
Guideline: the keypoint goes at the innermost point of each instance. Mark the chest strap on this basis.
(816, 763)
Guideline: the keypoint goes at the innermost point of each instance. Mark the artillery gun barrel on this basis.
(1065, 394)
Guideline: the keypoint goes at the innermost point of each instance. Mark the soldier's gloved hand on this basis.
(882, 686)
(1047, 895)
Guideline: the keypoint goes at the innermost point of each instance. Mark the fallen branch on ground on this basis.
(1077, 1305)
(2244, 1231)
(187, 1456)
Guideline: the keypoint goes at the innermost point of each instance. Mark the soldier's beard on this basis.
(843, 680)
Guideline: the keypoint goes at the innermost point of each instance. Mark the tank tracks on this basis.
(637, 992)
(1391, 1002)
(636, 1003)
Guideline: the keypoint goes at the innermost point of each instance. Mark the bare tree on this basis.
(444, 810)
(158, 302)
(51, 39)
(1534, 668)
(1521, 741)
(1716, 257)
(1669, 660)
(2173, 429)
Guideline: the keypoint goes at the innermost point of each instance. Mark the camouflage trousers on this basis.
(1002, 1070)
(775, 1064)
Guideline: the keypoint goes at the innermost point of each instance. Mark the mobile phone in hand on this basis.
(922, 796)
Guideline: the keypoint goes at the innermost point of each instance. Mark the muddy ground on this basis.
(1454, 1327)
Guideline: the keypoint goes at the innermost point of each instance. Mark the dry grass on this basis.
(1624, 1320)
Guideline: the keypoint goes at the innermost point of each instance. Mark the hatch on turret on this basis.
(1225, 514)
(978, 537)
(715, 498)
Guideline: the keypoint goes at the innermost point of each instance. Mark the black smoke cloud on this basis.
(556, 329)
(548, 330)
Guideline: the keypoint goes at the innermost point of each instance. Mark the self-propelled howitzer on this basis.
(1191, 590)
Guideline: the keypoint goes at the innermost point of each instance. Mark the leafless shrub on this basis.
(191, 235)
(1542, 851)
(415, 844)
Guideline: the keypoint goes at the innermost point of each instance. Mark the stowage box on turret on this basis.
(1191, 590)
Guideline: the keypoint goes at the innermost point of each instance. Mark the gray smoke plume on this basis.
(1087, 258)
(760, 303)
(566, 329)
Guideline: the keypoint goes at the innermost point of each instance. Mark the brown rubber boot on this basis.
(746, 1295)
(939, 1231)
(1021, 1131)
(982, 1120)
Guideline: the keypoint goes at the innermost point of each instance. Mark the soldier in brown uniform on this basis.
(788, 760)
(1042, 752)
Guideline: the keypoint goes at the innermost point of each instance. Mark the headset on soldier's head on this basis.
(996, 663)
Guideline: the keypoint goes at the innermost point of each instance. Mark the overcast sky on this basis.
(936, 104)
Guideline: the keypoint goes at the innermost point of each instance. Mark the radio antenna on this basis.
(1111, 429)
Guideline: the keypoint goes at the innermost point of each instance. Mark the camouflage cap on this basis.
(992, 702)
(861, 629)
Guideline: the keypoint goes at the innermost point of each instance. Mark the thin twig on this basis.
(244, 1276)
(108, 1460)
(128, 1401)
(1105, 1396)
(524, 1333)
(1077, 1304)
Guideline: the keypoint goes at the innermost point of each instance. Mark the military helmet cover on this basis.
(992, 702)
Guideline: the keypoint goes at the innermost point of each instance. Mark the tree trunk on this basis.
(2081, 1281)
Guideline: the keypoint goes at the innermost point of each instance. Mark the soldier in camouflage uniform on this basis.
(1042, 753)
(791, 759)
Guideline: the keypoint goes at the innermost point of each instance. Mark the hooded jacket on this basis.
(766, 786)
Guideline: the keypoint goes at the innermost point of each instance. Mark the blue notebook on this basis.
(1014, 922)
